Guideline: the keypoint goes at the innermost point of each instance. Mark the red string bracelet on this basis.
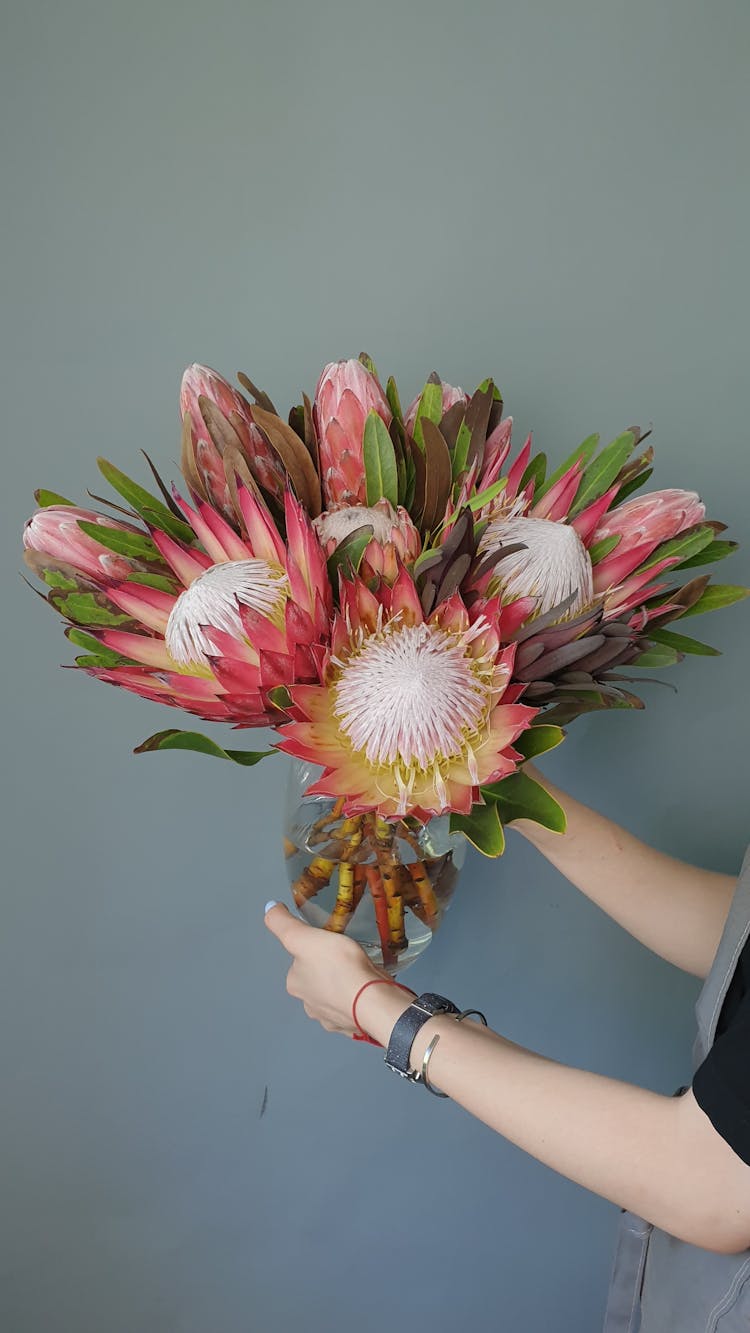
(360, 1034)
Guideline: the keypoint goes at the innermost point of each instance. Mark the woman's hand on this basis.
(327, 969)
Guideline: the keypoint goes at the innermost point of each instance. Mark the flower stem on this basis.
(425, 892)
(344, 906)
(375, 884)
(313, 878)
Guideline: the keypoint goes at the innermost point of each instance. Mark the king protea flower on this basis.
(347, 392)
(556, 564)
(219, 417)
(414, 714)
(395, 540)
(53, 539)
(253, 614)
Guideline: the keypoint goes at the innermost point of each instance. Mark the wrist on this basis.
(379, 1009)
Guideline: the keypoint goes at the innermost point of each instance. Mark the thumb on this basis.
(289, 930)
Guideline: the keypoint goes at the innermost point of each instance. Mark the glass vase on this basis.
(387, 884)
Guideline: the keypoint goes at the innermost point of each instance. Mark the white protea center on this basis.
(554, 566)
(336, 524)
(411, 696)
(214, 600)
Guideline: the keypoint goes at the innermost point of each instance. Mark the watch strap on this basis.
(420, 1011)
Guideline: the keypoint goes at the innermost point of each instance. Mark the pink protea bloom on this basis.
(346, 393)
(395, 539)
(55, 533)
(201, 382)
(642, 524)
(556, 564)
(253, 614)
(452, 394)
(413, 713)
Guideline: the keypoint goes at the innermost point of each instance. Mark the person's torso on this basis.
(661, 1284)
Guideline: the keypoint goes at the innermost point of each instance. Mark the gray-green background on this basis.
(555, 194)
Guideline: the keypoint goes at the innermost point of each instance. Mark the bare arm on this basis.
(678, 910)
(658, 1156)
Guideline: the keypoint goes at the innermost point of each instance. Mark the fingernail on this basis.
(272, 902)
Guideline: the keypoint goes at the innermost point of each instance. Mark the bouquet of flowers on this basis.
(415, 613)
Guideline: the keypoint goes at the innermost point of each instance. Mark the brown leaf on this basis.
(311, 439)
(563, 656)
(168, 498)
(293, 455)
(451, 423)
(260, 397)
(477, 419)
(438, 474)
(417, 507)
(685, 597)
(496, 414)
(634, 467)
(188, 465)
(453, 578)
(221, 430)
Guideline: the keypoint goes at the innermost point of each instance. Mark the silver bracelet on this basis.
(422, 1076)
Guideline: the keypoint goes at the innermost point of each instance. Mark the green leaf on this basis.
(144, 503)
(520, 797)
(583, 452)
(538, 740)
(46, 498)
(482, 828)
(600, 549)
(478, 501)
(484, 386)
(634, 484)
(380, 461)
(98, 654)
(366, 360)
(193, 740)
(536, 470)
(136, 545)
(160, 581)
(392, 394)
(681, 642)
(714, 551)
(280, 697)
(461, 451)
(348, 554)
(685, 544)
(716, 596)
(661, 656)
(55, 579)
(84, 609)
(600, 474)
(430, 405)
(165, 521)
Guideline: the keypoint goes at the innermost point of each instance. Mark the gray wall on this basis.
(556, 194)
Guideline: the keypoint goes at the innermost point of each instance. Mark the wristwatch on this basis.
(406, 1028)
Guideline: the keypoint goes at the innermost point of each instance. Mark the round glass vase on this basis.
(386, 884)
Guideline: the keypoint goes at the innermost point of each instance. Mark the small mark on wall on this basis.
(264, 1103)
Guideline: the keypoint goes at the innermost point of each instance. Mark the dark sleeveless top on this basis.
(721, 1085)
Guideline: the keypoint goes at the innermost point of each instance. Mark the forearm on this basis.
(633, 1147)
(676, 909)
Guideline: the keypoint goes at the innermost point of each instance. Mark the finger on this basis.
(289, 930)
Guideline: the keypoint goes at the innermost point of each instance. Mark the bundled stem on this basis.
(421, 886)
